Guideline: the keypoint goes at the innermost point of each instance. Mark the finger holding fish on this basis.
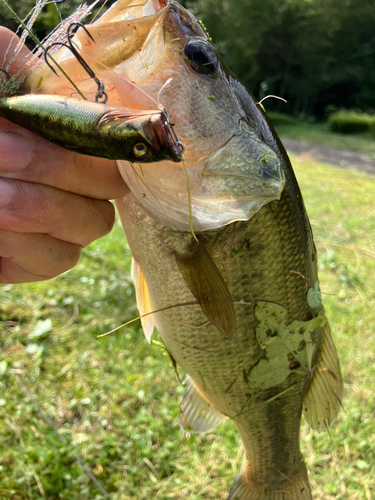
(53, 201)
(8, 44)
(29, 257)
(26, 156)
(34, 208)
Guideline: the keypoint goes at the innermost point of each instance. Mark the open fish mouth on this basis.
(132, 9)
(155, 54)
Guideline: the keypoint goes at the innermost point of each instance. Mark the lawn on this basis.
(319, 133)
(113, 402)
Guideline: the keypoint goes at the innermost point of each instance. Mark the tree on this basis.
(311, 52)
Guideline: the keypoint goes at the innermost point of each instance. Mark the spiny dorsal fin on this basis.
(323, 399)
(143, 299)
(208, 286)
(196, 414)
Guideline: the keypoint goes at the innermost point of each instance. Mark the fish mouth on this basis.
(132, 9)
(162, 3)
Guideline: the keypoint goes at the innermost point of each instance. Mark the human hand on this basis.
(53, 202)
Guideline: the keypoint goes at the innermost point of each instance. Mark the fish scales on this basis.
(261, 271)
(239, 308)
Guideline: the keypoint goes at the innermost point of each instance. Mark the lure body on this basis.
(116, 133)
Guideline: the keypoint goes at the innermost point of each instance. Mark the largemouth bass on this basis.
(239, 307)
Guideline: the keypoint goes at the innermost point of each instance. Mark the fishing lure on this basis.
(95, 129)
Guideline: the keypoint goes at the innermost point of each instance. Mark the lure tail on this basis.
(294, 488)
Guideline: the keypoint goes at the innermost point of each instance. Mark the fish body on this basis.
(238, 307)
(280, 361)
(94, 129)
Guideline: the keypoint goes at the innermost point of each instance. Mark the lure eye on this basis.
(201, 57)
(140, 150)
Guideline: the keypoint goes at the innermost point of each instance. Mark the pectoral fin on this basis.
(208, 286)
(323, 399)
(143, 299)
(196, 414)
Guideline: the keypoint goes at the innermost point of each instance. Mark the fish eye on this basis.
(140, 150)
(201, 57)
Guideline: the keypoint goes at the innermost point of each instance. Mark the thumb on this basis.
(10, 59)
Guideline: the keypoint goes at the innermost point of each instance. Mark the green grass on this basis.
(319, 133)
(115, 399)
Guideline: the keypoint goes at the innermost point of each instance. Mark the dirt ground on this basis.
(326, 154)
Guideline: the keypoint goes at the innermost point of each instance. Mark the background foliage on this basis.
(115, 399)
(314, 53)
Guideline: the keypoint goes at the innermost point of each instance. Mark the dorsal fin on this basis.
(323, 399)
(208, 286)
(196, 413)
(143, 299)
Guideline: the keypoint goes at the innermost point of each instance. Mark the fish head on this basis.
(156, 54)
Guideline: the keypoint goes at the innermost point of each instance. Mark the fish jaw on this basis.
(232, 171)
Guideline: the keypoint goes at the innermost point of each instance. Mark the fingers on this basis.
(25, 156)
(34, 208)
(8, 44)
(34, 257)
(52, 201)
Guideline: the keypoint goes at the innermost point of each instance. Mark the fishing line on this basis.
(99, 11)
(189, 201)
(123, 78)
(267, 97)
(274, 97)
(35, 39)
(160, 106)
(267, 402)
(147, 314)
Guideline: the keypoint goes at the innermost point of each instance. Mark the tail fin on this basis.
(295, 488)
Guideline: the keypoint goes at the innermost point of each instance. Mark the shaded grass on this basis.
(319, 133)
(115, 400)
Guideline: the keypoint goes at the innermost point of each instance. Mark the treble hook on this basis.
(100, 92)
(5, 73)
(169, 126)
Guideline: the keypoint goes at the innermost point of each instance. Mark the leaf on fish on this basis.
(287, 348)
(314, 296)
(206, 283)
